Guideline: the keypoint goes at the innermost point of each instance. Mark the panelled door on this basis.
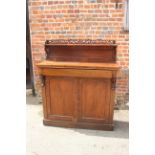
(78, 99)
(62, 98)
(94, 100)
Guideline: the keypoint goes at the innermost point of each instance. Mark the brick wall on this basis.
(80, 19)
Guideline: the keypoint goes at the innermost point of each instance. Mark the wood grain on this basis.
(94, 100)
(78, 65)
(79, 87)
(62, 98)
(81, 53)
(76, 73)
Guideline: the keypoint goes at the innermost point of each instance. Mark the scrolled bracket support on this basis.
(113, 83)
(42, 80)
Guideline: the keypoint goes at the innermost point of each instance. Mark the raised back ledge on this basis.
(80, 42)
(81, 50)
(78, 65)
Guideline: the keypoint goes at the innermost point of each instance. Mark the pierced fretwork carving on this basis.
(82, 42)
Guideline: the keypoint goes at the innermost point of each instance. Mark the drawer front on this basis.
(76, 73)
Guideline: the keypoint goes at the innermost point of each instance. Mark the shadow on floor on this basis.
(33, 100)
(121, 130)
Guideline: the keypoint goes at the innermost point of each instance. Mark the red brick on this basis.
(81, 21)
(35, 3)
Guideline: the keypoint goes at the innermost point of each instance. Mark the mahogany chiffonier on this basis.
(78, 83)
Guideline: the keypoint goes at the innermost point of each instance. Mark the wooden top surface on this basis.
(77, 65)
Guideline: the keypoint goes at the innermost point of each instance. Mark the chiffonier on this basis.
(78, 83)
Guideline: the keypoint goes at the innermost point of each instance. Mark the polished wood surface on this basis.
(94, 96)
(76, 73)
(81, 50)
(81, 53)
(77, 65)
(62, 98)
(79, 94)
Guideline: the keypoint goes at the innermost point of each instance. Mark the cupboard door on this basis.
(62, 98)
(94, 100)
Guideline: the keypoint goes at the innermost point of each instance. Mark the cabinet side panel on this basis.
(44, 101)
(47, 81)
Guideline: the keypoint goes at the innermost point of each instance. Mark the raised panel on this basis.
(63, 98)
(94, 100)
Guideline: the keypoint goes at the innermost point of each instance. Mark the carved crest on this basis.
(81, 42)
